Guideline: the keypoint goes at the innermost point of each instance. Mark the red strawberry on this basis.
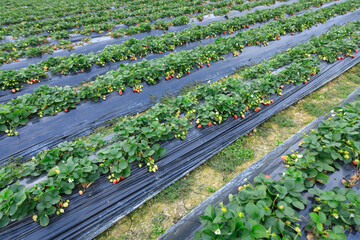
(224, 32)
(201, 19)
(188, 72)
(354, 162)
(115, 182)
(199, 126)
(185, 41)
(353, 56)
(281, 86)
(201, 65)
(305, 82)
(313, 73)
(267, 176)
(283, 158)
(257, 109)
(235, 116)
(167, 78)
(208, 64)
(249, 44)
(134, 90)
(121, 177)
(347, 54)
(66, 110)
(243, 116)
(120, 92)
(82, 71)
(276, 18)
(131, 59)
(209, 124)
(13, 90)
(339, 58)
(271, 101)
(292, 33)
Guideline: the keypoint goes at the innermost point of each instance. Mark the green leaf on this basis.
(123, 164)
(219, 219)
(4, 221)
(197, 235)
(258, 231)
(209, 211)
(251, 209)
(162, 152)
(333, 204)
(3, 127)
(314, 217)
(44, 220)
(289, 211)
(322, 178)
(298, 204)
(322, 217)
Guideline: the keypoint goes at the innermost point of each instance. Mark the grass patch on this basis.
(232, 156)
(283, 120)
(158, 228)
(176, 190)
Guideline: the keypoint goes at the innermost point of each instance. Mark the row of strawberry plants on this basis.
(78, 12)
(137, 141)
(48, 101)
(34, 40)
(13, 56)
(269, 209)
(182, 20)
(32, 11)
(14, 50)
(109, 19)
(132, 48)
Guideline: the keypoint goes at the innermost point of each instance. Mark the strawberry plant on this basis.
(269, 208)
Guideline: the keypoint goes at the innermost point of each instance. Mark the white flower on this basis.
(299, 156)
(351, 215)
(71, 180)
(245, 179)
(283, 173)
(217, 232)
(296, 159)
